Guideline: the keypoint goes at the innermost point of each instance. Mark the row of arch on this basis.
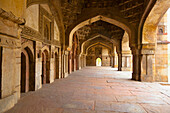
(143, 35)
(28, 77)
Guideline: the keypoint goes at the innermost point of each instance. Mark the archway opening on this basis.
(27, 71)
(24, 73)
(45, 68)
(98, 62)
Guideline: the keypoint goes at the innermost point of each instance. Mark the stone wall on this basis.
(10, 59)
(161, 52)
(16, 36)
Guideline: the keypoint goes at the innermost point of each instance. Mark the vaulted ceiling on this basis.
(131, 10)
(70, 13)
(100, 27)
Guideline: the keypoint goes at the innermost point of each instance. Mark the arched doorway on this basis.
(98, 62)
(56, 66)
(45, 68)
(27, 71)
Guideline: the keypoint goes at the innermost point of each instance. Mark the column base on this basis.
(136, 77)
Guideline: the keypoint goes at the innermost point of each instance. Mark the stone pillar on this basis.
(60, 63)
(75, 63)
(65, 64)
(38, 65)
(136, 64)
(115, 58)
(126, 61)
(80, 62)
(70, 62)
(119, 61)
(84, 58)
(111, 61)
(148, 63)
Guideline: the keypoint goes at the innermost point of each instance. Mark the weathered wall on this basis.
(13, 40)
(10, 43)
(32, 17)
(161, 52)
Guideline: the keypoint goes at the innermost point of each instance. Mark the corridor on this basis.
(96, 90)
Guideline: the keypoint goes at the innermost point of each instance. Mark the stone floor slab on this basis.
(96, 90)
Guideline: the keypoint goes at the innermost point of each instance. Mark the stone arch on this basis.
(97, 44)
(27, 70)
(150, 25)
(45, 48)
(96, 36)
(45, 77)
(28, 45)
(116, 20)
(91, 56)
(149, 42)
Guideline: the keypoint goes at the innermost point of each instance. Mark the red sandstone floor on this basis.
(96, 90)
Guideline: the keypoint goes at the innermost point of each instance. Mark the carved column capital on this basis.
(148, 49)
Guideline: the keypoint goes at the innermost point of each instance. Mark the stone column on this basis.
(75, 63)
(60, 62)
(80, 62)
(136, 64)
(111, 61)
(84, 58)
(148, 63)
(126, 61)
(65, 64)
(119, 61)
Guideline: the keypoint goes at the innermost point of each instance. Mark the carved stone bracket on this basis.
(31, 33)
(10, 16)
(9, 42)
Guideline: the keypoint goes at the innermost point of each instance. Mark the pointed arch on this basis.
(116, 20)
(27, 70)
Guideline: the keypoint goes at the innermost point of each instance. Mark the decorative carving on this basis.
(9, 42)
(10, 16)
(27, 31)
(100, 27)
